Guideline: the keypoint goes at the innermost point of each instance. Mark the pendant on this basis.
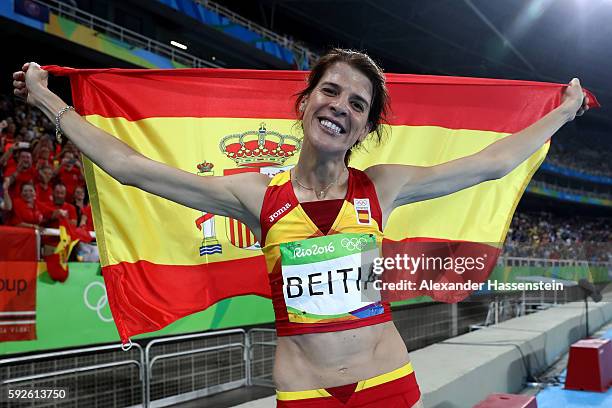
(321, 194)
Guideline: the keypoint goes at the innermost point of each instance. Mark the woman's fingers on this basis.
(19, 76)
(23, 93)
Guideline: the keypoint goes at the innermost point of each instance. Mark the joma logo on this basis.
(278, 212)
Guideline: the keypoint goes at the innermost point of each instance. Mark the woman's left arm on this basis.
(398, 185)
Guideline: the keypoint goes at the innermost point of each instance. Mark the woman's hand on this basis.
(29, 82)
(574, 101)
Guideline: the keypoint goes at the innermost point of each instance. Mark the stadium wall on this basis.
(69, 30)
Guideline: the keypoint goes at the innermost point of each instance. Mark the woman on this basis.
(80, 203)
(26, 212)
(363, 361)
(44, 188)
(85, 252)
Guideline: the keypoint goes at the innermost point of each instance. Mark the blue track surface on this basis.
(557, 397)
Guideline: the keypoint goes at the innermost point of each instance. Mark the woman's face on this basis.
(44, 152)
(79, 193)
(28, 194)
(336, 111)
(46, 173)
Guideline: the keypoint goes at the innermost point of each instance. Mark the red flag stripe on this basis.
(183, 93)
(133, 303)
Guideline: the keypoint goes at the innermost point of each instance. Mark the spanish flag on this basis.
(162, 261)
(69, 236)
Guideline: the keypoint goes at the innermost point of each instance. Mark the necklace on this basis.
(321, 194)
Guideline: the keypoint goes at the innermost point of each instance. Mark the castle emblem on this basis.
(206, 222)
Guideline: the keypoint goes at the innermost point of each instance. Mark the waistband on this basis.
(398, 373)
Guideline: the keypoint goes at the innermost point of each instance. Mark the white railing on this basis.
(545, 262)
(125, 35)
(301, 53)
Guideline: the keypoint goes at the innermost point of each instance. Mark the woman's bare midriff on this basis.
(320, 360)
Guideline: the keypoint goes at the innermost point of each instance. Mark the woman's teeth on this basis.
(331, 126)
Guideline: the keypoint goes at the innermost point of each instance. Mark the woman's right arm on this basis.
(239, 196)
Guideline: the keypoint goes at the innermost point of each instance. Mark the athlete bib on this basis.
(326, 278)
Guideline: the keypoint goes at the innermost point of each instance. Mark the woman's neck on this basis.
(320, 177)
(318, 171)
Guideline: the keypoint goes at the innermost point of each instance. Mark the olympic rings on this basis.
(354, 244)
(100, 304)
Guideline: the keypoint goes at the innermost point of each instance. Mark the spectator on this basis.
(70, 173)
(82, 207)
(59, 208)
(23, 173)
(6, 204)
(26, 212)
(44, 190)
(8, 135)
(85, 252)
(43, 153)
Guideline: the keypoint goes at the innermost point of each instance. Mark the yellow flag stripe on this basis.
(140, 226)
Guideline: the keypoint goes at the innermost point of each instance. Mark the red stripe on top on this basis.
(419, 100)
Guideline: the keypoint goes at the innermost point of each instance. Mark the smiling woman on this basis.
(334, 346)
(371, 100)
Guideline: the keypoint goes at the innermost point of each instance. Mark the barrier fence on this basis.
(102, 376)
(186, 367)
(169, 370)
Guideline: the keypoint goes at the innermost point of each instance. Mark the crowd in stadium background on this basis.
(42, 181)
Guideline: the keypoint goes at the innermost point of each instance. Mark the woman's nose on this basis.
(339, 107)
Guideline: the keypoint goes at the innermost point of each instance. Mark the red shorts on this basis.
(395, 389)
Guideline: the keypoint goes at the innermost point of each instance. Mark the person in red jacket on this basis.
(24, 173)
(26, 212)
(59, 208)
(70, 173)
(44, 188)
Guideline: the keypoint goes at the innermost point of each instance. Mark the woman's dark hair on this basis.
(379, 106)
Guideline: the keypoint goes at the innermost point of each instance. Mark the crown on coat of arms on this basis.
(205, 167)
(260, 147)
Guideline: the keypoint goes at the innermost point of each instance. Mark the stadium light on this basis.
(178, 45)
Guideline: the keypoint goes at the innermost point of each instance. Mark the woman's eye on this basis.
(328, 91)
(358, 106)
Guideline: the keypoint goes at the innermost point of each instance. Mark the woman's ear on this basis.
(367, 130)
(303, 103)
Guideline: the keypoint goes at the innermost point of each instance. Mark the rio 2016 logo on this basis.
(314, 250)
(95, 299)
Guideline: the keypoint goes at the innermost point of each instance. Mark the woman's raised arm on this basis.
(401, 184)
(239, 196)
